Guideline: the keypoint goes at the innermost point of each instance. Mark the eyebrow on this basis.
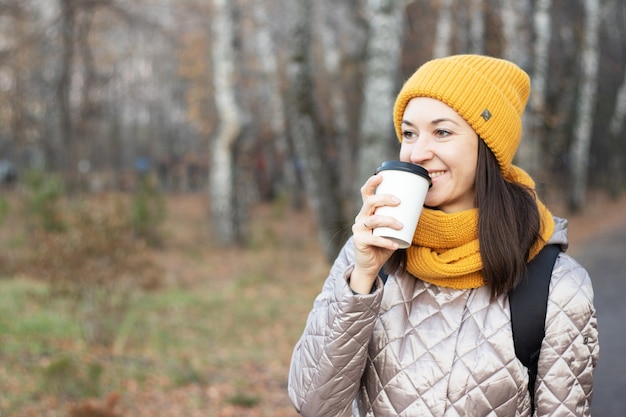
(433, 122)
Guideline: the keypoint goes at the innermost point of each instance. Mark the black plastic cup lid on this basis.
(406, 167)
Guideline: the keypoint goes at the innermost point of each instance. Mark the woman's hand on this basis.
(371, 252)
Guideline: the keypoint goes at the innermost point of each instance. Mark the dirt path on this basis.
(598, 242)
(602, 216)
(604, 259)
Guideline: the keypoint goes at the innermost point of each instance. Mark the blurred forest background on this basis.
(169, 166)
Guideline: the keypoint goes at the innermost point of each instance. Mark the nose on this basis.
(421, 150)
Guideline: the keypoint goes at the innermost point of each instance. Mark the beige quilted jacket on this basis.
(414, 349)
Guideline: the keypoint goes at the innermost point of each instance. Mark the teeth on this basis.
(436, 174)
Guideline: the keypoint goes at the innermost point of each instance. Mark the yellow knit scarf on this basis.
(445, 248)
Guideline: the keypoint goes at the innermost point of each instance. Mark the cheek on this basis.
(471, 169)
(405, 153)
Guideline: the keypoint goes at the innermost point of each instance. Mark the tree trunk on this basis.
(338, 104)
(306, 135)
(616, 127)
(443, 37)
(579, 153)
(516, 31)
(530, 156)
(84, 125)
(272, 96)
(222, 186)
(65, 158)
(477, 27)
(376, 132)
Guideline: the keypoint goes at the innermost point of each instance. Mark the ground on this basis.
(283, 245)
(601, 216)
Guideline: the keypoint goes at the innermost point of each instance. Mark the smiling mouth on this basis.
(436, 174)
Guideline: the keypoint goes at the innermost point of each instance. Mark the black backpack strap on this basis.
(529, 302)
(383, 275)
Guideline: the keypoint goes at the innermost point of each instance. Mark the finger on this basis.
(366, 242)
(362, 224)
(369, 188)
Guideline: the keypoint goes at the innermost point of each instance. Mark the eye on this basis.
(442, 133)
(408, 135)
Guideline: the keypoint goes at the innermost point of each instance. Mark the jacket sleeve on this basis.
(329, 359)
(570, 349)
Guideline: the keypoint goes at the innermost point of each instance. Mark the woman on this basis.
(435, 339)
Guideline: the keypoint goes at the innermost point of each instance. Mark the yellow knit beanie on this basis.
(489, 93)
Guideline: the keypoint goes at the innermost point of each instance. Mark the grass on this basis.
(24, 319)
(179, 337)
(213, 338)
(216, 335)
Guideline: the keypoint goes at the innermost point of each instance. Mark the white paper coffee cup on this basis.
(410, 183)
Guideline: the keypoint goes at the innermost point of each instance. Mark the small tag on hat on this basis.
(486, 114)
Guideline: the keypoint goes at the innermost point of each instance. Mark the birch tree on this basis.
(477, 27)
(443, 37)
(64, 84)
(530, 155)
(517, 49)
(616, 127)
(579, 151)
(516, 33)
(614, 23)
(270, 90)
(222, 187)
(386, 18)
(305, 132)
(339, 108)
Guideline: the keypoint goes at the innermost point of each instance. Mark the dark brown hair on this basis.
(508, 225)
